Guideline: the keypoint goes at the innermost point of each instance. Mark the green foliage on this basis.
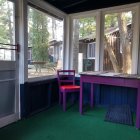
(111, 20)
(6, 22)
(87, 26)
(38, 34)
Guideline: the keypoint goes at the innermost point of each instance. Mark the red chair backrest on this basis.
(66, 77)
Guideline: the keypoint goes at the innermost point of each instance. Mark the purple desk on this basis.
(110, 79)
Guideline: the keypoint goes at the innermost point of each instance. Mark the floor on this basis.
(54, 124)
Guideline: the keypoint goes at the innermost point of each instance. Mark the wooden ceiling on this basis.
(74, 6)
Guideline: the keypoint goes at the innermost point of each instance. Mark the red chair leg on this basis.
(64, 101)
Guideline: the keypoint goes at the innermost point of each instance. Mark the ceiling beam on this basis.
(75, 3)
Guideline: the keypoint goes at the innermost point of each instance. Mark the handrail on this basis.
(17, 47)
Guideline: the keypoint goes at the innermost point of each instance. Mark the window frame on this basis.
(100, 33)
(135, 41)
(85, 15)
(44, 5)
(89, 48)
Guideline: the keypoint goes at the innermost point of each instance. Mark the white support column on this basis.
(98, 43)
(70, 42)
(23, 36)
(66, 47)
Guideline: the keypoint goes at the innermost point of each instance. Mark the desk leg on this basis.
(138, 109)
(81, 96)
(64, 101)
(91, 96)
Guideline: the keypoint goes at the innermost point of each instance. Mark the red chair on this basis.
(66, 81)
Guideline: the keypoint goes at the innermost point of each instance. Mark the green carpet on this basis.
(54, 124)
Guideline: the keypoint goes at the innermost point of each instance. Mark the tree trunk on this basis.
(53, 28)
(111, 54)
(125, 43)
(75, 44)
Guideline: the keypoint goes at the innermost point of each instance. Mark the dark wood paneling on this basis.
(38, 96)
